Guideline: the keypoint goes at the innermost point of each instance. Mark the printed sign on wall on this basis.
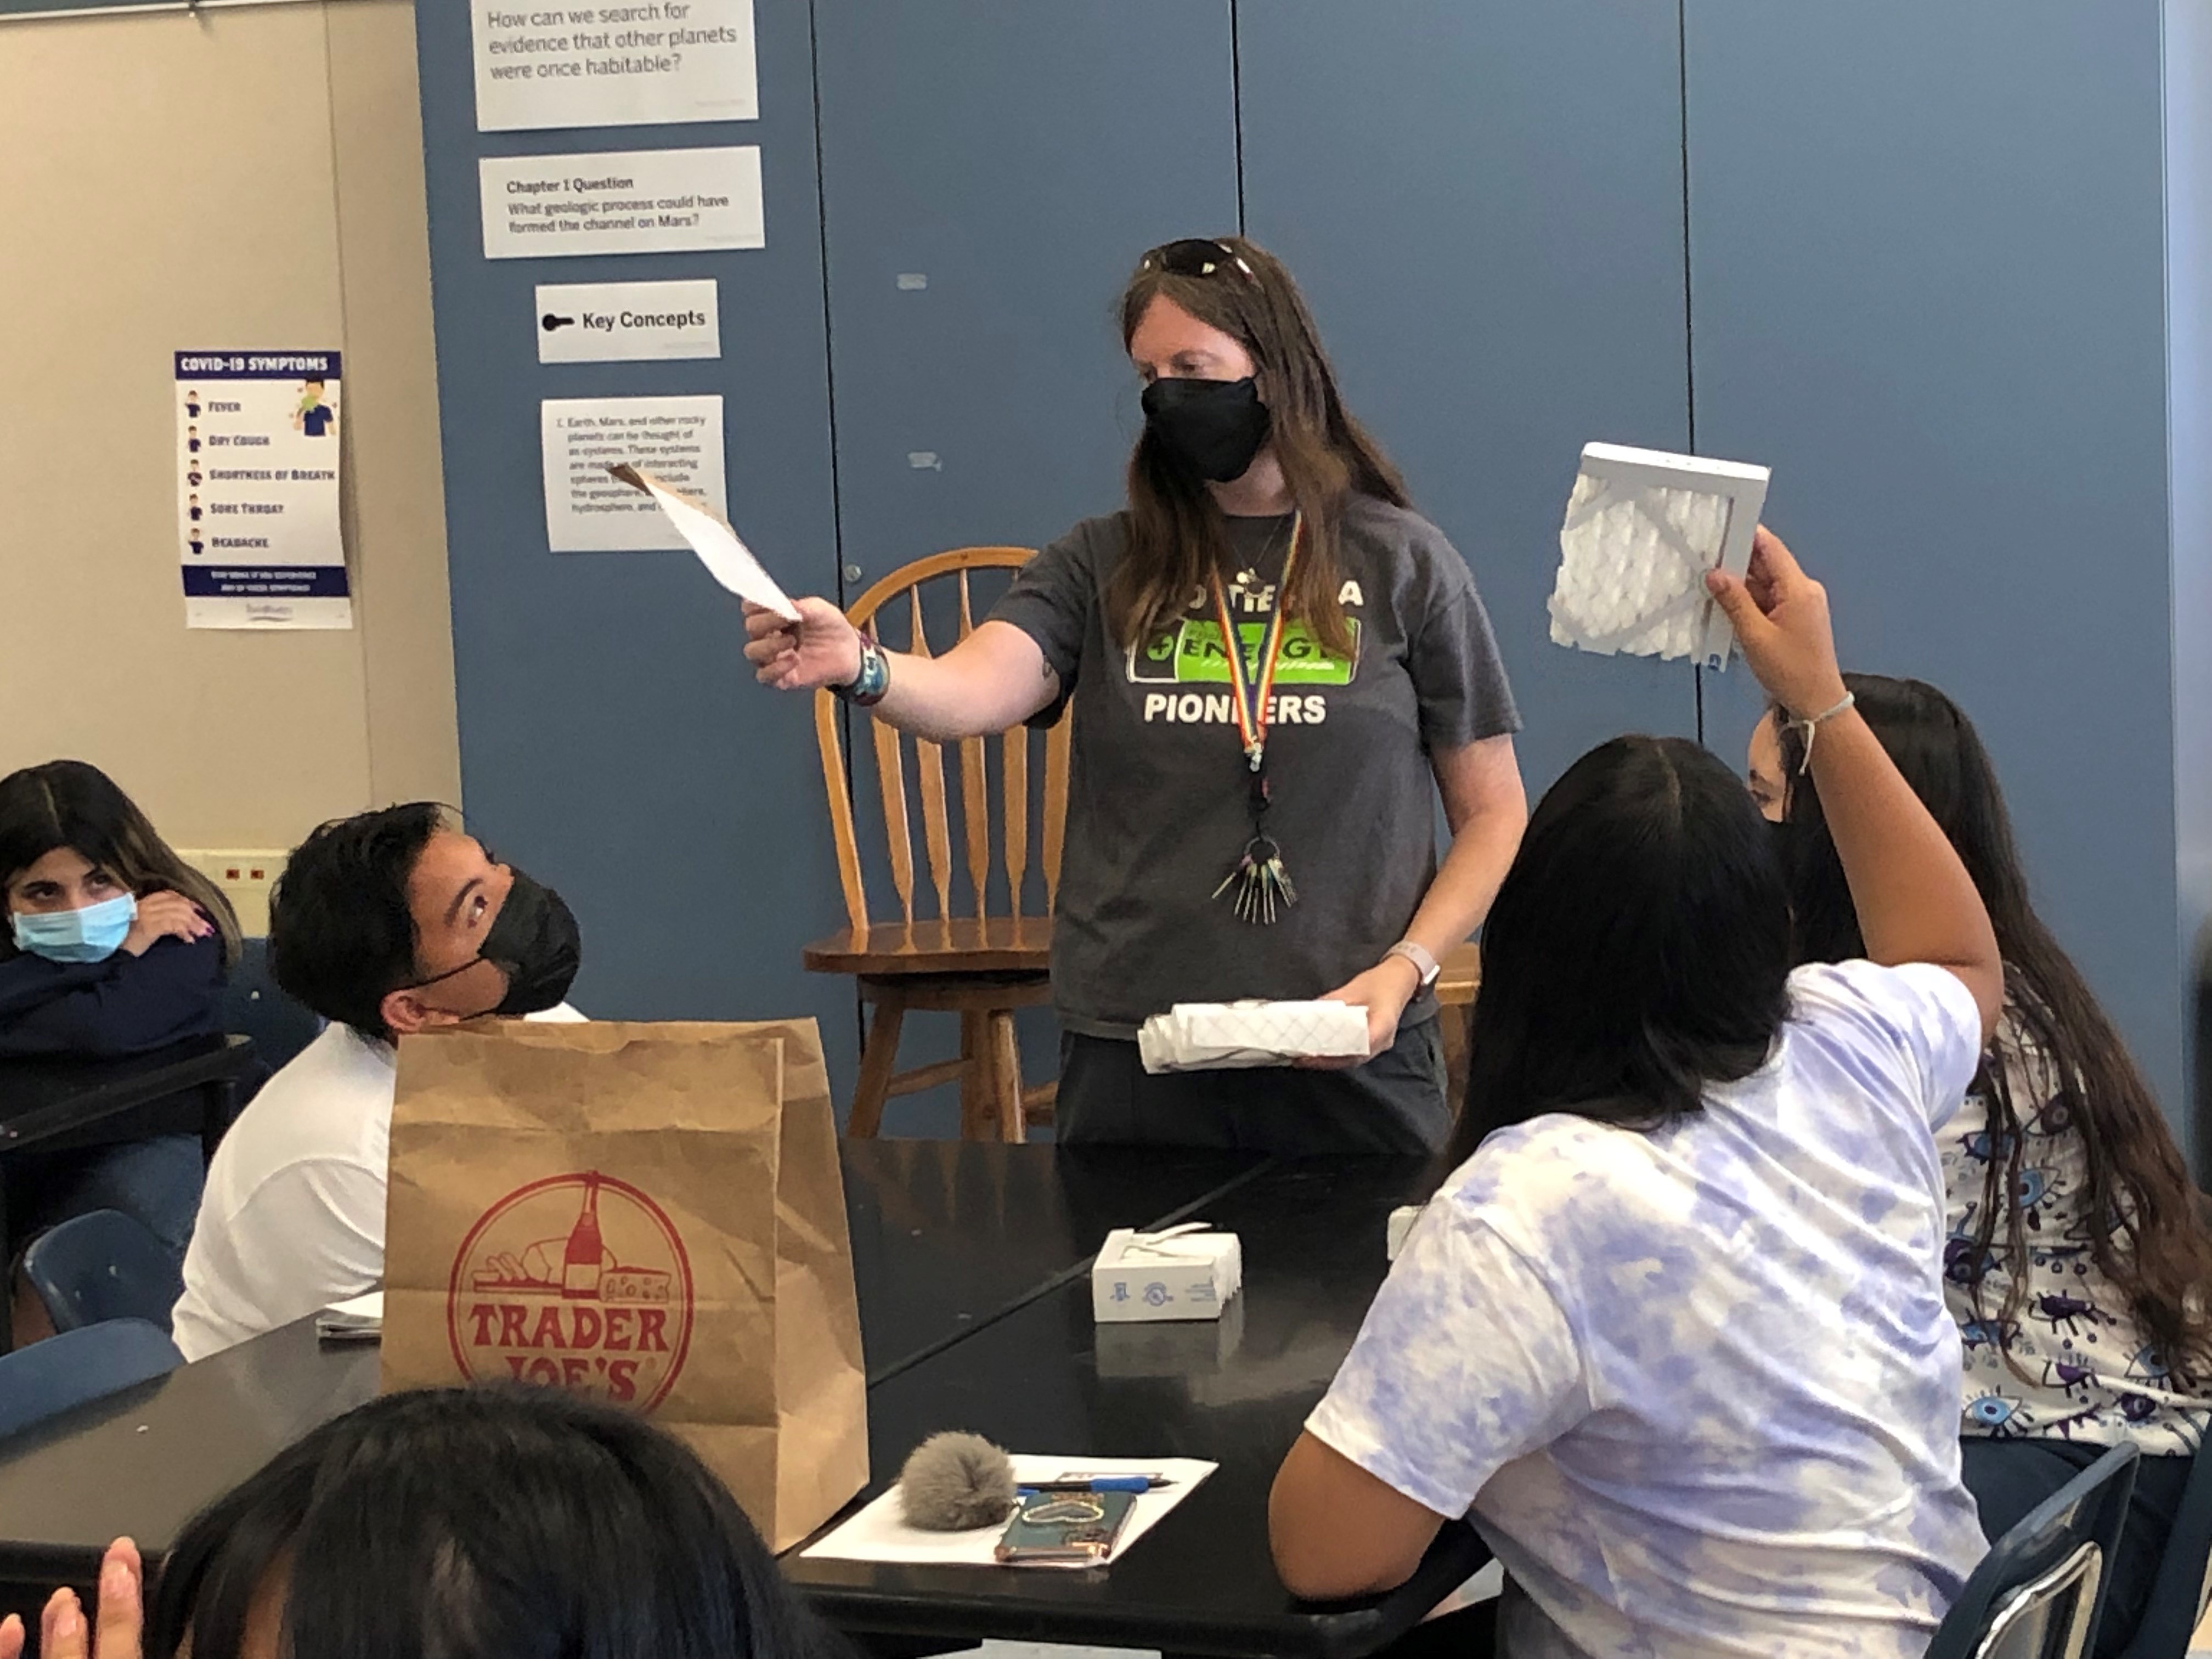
(588, 510)
(636, 63)
(627, 322)
(258, 489)
(642, 201)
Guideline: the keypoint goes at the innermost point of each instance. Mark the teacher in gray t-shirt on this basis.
(1248, 822)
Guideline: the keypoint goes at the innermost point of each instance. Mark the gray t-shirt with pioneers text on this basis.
(1159, 794)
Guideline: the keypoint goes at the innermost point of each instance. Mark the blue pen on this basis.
(1100, 1483)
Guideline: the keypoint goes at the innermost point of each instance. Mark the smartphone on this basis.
(1065, 1529)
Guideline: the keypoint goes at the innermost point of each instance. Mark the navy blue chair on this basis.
(46, 1378)
(2039, 1592)
(100, 1266)
(253, 1006)
(2177, 1595)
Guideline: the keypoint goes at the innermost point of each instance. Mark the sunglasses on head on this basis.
(1194, 256)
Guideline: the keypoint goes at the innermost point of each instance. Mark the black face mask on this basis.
(1210, 428)
(534, 941)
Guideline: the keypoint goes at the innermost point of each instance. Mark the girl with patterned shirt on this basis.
(2076, 1260)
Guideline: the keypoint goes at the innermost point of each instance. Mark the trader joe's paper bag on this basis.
(650, 1215)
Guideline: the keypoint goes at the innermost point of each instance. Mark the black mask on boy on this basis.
(534, 942)
(1210, 428)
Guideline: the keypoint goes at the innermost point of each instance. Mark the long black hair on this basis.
(72, 804)
(1638, 949)
(500, 1523)
(2146, 1234)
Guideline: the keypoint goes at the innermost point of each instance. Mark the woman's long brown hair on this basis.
(2145, 1232)
(71, 804)
(1177, 540)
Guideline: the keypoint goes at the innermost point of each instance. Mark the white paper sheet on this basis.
(880, 1533)
(728, 560)
(678, 440)
(639, 201)
(630, 65)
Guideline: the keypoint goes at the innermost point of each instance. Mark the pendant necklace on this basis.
(1259, 887)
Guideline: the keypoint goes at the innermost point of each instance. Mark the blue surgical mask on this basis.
(92, 934)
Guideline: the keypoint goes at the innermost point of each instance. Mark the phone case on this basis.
(1064, 1529)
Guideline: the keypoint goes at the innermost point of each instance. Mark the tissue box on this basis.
(1182, 1273)
(1202, 1036)
(1643, 528)
(1399, 1228)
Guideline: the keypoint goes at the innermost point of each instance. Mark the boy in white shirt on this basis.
(387, 923)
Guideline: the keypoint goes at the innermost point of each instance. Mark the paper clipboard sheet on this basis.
(727, 559)
(880, 1532)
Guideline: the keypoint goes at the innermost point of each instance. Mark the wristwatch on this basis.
(1424, 964)
(868, 686)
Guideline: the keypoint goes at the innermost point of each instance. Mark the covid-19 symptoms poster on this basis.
(257, 438)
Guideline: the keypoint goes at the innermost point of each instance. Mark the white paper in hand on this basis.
(728, 560)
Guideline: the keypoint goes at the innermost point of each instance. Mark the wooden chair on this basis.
(981, 966)
(1459, 977)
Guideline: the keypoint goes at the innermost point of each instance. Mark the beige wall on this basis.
(248, 177)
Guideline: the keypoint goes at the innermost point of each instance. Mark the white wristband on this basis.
(1810, 726)
(1424, 964)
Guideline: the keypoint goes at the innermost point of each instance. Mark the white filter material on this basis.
(1632, 565)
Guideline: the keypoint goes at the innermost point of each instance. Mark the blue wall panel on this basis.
(1482, 200)
(1928, 289)
(1018, 159)
(611, 736)
(990, 175)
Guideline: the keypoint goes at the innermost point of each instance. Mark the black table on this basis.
(54, 1105)
(949, 1236)
(1047, 1379)
(946, 1237)
(971, 1263)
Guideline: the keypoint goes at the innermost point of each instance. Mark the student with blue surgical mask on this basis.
(112, 946)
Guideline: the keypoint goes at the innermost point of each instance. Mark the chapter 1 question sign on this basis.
(641, 201)
(636, 63)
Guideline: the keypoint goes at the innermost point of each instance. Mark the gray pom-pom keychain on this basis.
(956, 1482)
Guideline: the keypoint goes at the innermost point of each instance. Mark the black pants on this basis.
(1394, 1103)
(2009, 1478)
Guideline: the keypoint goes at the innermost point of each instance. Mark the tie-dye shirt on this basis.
(1699, 1387)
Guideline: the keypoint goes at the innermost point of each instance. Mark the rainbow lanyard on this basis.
(1253, 699)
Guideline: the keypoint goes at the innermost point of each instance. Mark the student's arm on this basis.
(1915, 900)
(122, 1006)
(1466, 1362)
(1338, 1531)
(995, 678)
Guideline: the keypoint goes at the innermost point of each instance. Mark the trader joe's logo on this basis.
(577, 1280)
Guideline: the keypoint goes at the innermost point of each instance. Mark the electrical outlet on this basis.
(245, 875)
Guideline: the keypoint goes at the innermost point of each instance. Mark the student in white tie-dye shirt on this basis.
(1673, 1337)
